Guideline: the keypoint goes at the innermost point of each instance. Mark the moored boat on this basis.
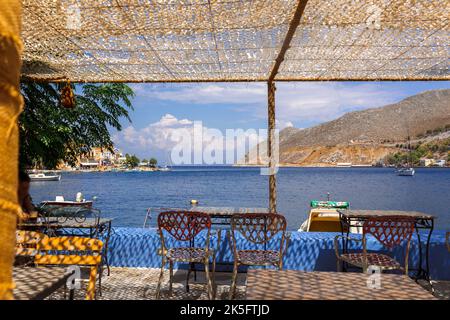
(44, 177)
(324, 216)
(84, 204)
(407, 172)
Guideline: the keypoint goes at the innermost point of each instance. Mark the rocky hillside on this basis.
(364, 137)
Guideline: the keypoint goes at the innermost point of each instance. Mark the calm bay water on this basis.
(126, 195)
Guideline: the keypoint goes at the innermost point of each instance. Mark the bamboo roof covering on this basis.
(234, 40)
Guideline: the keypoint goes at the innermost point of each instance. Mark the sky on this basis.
(164, 113)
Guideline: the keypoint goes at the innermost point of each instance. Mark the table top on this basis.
(61, 222)
(272, 284)
(380, 213)
(37, 283)
(228, 211)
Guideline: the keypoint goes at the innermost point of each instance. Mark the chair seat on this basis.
(188, 254)
(258, 257)
(373, 259)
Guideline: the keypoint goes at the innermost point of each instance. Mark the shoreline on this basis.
(174, 168)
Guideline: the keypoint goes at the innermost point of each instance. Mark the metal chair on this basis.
(258, 228)
(185, 226)
(71, 251)
(390, 231)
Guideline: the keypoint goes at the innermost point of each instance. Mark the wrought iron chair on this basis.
(258, 228)
(185, 226)
(70, 251)
(390, 231)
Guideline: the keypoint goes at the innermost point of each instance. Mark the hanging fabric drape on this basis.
(11, 104)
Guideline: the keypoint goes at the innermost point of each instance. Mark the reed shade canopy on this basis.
(232, 40)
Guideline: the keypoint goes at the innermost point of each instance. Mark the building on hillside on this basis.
(440, 163)
(99, 157)
(424, 162)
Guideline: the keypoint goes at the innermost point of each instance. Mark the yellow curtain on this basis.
(11, 104)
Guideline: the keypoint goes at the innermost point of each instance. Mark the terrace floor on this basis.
(132, 283)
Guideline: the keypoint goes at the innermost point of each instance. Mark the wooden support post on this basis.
(271, 104)
(270, 147)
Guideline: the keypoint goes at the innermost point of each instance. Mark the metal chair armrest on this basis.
(336, 243)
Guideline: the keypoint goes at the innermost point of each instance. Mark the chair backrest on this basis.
(258, 228)
(70, 251)
(391, 231)
(26, 242)
(183, 225)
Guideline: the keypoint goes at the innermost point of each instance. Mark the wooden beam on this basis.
(289, 35)
(299, 79)
(270, 140)
(271, 104)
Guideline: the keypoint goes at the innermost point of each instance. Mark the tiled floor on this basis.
(140, 284)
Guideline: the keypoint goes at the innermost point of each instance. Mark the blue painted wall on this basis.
(137, 247)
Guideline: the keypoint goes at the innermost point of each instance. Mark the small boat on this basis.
(60, 202)
(44, 177)
(84, 204)
(343, 165)
(324, 216)
(164, 168)
(407, 172)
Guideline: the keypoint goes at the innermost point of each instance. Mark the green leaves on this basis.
(153, 162)
(51, 134)
(131, 161)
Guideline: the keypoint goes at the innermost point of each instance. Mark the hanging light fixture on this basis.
(67, 96)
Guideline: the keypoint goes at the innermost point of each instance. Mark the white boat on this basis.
(164, 168)
(44, 177)
(344, 165)
(407, 172)
(324, 216)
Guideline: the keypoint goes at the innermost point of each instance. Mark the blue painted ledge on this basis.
(137, 247)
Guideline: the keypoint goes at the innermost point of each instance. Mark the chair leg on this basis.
(161, 275)
(171, 277)
(339, 266)
(90, 295)
(214, 277)
(100, 281)
(71, 294)
(188, 276)
(208, 281)
(233, 281)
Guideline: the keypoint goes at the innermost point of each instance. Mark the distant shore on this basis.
(284, 165)
(225, 166)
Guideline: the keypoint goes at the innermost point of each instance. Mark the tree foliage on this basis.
(429, 150)
(153, 162)
(50, 134)
(131, 161)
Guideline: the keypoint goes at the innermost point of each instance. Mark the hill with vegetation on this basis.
(370, 136)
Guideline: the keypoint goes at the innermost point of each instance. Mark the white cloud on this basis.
(170, 133)
(205, 93)
(297, 103)
(281, 124)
